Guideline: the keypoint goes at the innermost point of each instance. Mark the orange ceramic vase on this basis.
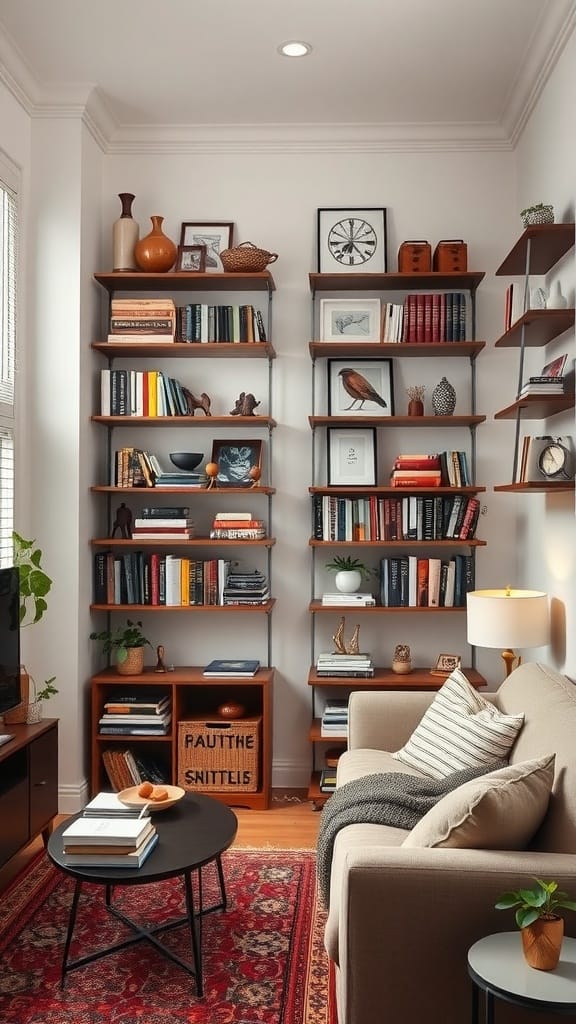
(155, 253)
(542, 942)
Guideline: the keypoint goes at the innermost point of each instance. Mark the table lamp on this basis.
(508, 618)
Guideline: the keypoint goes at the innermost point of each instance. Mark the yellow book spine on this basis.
(153, 392)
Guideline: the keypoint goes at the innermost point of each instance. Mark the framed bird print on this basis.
(351, 457)
(352, 240)
(350, 320)
(360, 387)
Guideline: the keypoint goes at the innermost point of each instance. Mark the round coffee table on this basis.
(496, 965)
(192, 833)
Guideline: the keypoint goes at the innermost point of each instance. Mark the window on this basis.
(8, 261)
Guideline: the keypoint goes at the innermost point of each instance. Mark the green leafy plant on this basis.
(121, 638)
(35, 585)
(542, 901)
(533, 209)
(345, 563)
(47, 690)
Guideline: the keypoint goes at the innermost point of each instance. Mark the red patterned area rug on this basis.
(264, 959)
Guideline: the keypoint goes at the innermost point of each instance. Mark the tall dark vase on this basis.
(155, 253)
(125, 232)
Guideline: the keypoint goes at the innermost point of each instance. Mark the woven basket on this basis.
(250, 260)
(543, 216)
(214, 754)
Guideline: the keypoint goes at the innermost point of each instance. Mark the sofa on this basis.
(401, 918)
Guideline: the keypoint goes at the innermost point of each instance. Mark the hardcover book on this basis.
(232, 668)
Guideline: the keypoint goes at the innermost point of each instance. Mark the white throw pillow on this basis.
(459, 730)
(499, 811)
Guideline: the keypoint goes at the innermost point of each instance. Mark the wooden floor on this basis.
(289, 824)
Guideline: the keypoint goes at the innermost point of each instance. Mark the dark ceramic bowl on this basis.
(186, 460)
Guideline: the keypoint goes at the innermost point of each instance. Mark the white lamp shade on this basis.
(508, 618)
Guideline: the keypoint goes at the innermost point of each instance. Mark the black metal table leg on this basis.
(71, 923)
(475, 999)
(221, 882)
(196, 944)
(489, 1007)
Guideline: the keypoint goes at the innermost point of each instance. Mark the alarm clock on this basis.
(550, 459)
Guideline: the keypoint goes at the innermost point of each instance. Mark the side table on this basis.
(496, 965)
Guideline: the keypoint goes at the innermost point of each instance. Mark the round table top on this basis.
(191, 833)
(497, 962)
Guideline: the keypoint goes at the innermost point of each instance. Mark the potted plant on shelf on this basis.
(350, 572)
(541, 927)
(128, 643)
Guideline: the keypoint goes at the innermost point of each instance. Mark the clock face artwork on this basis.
(552, 460)
(352, 241)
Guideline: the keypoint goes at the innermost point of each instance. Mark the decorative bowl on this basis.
(186, 460)
(132, 798)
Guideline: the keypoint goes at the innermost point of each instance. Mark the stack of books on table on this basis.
(335, 718)
(334, 600)
(246, 588)
(142, 321)
(173, 523)
(111, 841)
(543, 386)
(237, 526)
(356, 665)
(136, 715)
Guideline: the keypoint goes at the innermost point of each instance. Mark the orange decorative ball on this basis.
(255, 473)
(211, 469)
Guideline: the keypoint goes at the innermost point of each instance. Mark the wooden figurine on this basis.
(123, 522)
(194, 403)
(245, 405)
(160, 666)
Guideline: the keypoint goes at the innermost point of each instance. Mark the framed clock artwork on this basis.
(352, 240)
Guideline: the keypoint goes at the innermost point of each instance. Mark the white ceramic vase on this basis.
(555, 299)
(348, 580)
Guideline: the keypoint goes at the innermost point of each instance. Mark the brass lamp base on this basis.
(511, 661)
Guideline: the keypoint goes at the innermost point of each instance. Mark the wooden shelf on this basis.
(430, 350)
(445, 543)
(539, 326)
(213, 609)
(536, 407)
(186, 350)
(468, 281)
(198, 542)
(548, 243)
(378, 609)
(186, 421)
(395, 492)
(535, 488)
(149, 492)
(386, 679)
(395, 421)
(118, 281)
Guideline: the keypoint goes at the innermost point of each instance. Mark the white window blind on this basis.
(8, 263)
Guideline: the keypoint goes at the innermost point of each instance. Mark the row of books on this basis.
(119, 841)
(407, 581)
(414, 517)
(135, 467)
(136, 718)
(199, 321)
(426, 317)
(127, 767)
(237, 526)
(337, 665)
(153, 578)
(334, 721)
(126, 392)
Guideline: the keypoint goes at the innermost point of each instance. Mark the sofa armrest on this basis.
(408, 917)
(384, 720)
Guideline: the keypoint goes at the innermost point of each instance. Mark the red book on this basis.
(428, 317)
(422, 583)
(420, 317)
(435, 329)
(155, 578)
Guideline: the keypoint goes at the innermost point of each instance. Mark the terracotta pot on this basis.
(133, 664)
(415, 407)
(155, 253)
(542, 942)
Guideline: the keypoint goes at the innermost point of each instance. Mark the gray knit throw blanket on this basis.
(387, 798)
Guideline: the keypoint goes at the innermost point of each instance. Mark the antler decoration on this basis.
(341, 647)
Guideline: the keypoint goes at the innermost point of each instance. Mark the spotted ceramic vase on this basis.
(443, 398)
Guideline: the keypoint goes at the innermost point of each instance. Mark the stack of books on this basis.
(246, 588)
(113, 841)
(231, 667)
(416, 471)
(358, 600)
(136, 715)
(142, 321)
(180, 478)
(126, 768)
(172, 523)
(543, 386)
(237, 526)
(335, 718)
(358, 666)
(327, 780)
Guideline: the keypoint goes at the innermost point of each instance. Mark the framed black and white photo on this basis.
(360, 387)
(352, 240)
(350, 320)
(351, 457)
(191, 259)
(215, 235)
(445, 664)
(235, 459)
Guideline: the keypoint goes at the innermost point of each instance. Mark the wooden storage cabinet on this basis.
(382, 284)
(537, 251)
(28, 785)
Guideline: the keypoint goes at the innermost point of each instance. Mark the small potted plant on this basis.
(541, 213)
(416, 399)
(541, 927)
(349, 573)
(128, 643)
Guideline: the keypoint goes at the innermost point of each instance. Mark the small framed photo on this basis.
(351, 457)
(191, 259)
(350, 320)
(445, 664)
(555, 368)
(360, 387)
(235, 459)
(352, 240)
(215, 235)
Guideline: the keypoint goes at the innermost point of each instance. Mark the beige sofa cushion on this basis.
(459, 730)
(499, 811)
(355, 764)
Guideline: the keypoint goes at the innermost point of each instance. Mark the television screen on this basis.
(9, 639)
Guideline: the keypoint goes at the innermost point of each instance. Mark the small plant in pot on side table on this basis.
(350, 572)
(541, 927)
(128, 642)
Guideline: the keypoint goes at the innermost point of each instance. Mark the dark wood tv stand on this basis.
(28, 785)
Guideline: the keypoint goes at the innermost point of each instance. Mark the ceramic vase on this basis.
(348, 580)
(125, 233)
(155, 253)
(542, 943)
(443, 398)
(555, 299)
(415, 407)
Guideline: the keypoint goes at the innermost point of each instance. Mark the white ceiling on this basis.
(214, 62)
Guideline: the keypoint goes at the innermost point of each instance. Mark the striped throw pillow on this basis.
(459, 730)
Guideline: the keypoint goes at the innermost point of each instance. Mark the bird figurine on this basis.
(360, 389)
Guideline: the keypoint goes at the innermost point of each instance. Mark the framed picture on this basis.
(350, 320)
(352, 240)
(235, 459)
(555, 368)
(446, 664)
(215, 235)
(351, 457)
(360, 387)
(191, 258)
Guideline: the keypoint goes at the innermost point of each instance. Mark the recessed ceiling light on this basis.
(294, 48)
